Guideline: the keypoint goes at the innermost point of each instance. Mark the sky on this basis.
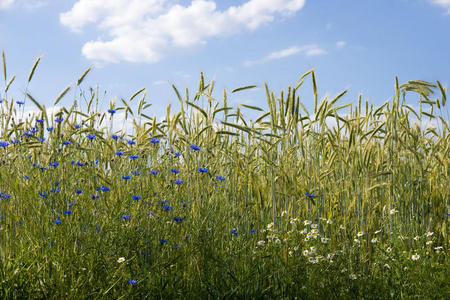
(358, 45)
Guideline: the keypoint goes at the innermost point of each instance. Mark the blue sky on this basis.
(357, 45)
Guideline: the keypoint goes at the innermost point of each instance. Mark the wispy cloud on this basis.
(147, 30)
(29, 5)
(341, 44)
(443, 3)
(4, 4)
(159, 82)
(307, 50)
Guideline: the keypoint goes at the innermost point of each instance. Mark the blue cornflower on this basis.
(194, 147)
(153, 172)
(50, 128)
(56, 183)
(176, 246)
(126, 217)
(133, 156)
(43, 194)
(136, 173)
(94, 162)
(40, 120)
(175, 171)
(178, 219)
(41, 139)
(55, 190)
(68, 212)
(132, 281)
(15, 141)
(310, 196)
(447, 214)
(234, 231)
(202, 170)
(154, 141)
(57, 221)
(177, 154)
(136, 197)
(221, 178)
(91, 136)
(59, 120)
(26, 177)
(163, 241)
(126, 177)
(20, 102)
(80, 164)
(4, 195)
(4, 144)
(131, 142)
(253, 230)
(167, 207)
(50, 244)
(115, 137)
(178, 181)
(66, 143)
(79, 191)
(112, 111)
(76, 126)
(53, 164)
(104, 188)
(28, 133)
(119, 153)
(94, 197)
(34, 129)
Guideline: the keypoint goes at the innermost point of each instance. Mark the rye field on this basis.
(346, 201)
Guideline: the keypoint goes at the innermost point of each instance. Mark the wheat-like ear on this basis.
(33, 69)
(81, 78)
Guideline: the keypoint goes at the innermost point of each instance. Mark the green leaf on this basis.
(137, 93)
(243, 88)
(34, 101)
(252, 107)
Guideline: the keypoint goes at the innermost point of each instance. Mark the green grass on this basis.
(381, 186)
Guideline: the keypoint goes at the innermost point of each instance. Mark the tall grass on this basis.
(332, 203)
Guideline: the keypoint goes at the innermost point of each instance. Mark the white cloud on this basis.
(145, 30)
(341, 44)
(307, 50)
(159, 82)
(4, 4)
(443, 3)
(313, 51)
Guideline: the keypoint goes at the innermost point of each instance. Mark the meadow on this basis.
(345, 201)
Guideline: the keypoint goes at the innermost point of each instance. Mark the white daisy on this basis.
(121, 260)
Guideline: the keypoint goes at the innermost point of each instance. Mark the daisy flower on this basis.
(415, 257)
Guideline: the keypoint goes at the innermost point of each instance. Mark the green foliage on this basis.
(376, 226)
